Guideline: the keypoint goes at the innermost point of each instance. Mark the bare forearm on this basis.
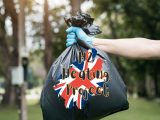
(130, 47)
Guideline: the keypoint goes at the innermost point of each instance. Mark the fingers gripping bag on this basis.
(83, 83)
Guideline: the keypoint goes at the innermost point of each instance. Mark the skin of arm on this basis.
(135, 48)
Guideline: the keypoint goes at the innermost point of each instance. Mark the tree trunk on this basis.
(48, 52)
(9, 96)
(150, 86)
(155, 76)
(76, 6)
(11, 11)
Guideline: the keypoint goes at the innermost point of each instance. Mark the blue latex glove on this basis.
(71, 39)
(75, 33)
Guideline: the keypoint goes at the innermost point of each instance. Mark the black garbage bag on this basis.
(82, 84)
(69, 72)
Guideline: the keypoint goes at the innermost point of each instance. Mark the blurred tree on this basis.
(141, 17)
(10, 58)
(76, 6)
(131, 19)
(48, 52)
(53, 31)
(112, 11)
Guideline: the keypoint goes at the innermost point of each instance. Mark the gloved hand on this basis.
(71, 39)
(75, 33)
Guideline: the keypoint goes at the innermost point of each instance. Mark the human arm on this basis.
(137, 48)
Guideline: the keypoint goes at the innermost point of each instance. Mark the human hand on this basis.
(71, 39)
(74, 33)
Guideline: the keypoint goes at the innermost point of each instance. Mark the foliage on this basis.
(132, 18)
(56, 19)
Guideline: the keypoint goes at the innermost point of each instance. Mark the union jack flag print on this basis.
(74, 98)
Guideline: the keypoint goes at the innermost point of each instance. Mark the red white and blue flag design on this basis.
(77, 99)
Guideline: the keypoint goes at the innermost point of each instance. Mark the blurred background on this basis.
(32, 35)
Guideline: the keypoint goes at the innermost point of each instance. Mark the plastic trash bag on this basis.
(83, 83)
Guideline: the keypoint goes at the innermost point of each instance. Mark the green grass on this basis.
(140, 109)
(11, 113)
